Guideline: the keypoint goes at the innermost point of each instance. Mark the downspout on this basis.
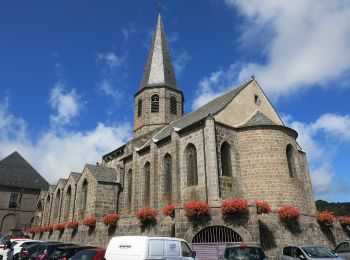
(205, 168)
(75, 198)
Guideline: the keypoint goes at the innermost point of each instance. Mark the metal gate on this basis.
(210, 243)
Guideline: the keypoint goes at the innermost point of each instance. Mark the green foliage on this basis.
(338, 208)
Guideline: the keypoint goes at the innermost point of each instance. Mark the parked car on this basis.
(243, 252)
(90, 254)
(307, 252)
(143, 247)
(9, 248)
(3, 239)
(45, 250)
(66, 252)
(27, 251)
(343, 250)
(16, 247)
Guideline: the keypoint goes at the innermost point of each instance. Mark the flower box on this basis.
(231, 208)
(288, 213)
(147, 216)
(72, 224)
(111, 219)
(90, 222)
(344, 220)
(60, 226)
(263, 207)
(325, 217)
(170, 210)
(196, 210)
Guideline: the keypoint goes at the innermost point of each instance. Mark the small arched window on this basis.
(167, 174)
(84, 195)
(146, 171)
(129, 196)
(57, 203)
(155, 104)
(191, 163)
(67, 202)
(226, 159)
(290, 160)
(139, 107)
(173, 106)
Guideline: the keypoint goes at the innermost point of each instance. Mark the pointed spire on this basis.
(159, 69)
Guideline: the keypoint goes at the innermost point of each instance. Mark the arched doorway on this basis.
(210, 242)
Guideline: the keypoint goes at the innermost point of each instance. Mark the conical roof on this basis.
(159, 70)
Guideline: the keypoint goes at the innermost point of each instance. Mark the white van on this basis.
(143, 247)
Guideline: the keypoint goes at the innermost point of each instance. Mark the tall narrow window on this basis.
(13, 203)
(173, 106)
(128, 202)
(139, 108)
(167, 174)
(57, 203)
(191, 163)
(68, 199)
(155, 104)
(147, 184)
(290, 160)
(84, 195)
(226, 159)
(48, 209)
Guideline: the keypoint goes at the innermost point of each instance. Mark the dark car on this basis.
(28, 250)
(66, 252)
(45, 250)
(343, 250)
(307, 252)
(244, 252)
(90, 254)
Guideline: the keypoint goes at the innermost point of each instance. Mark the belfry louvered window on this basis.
(139, 108)
(155, 104)
(173, 106)
(191, 161)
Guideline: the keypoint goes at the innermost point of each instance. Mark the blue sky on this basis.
(69, 70)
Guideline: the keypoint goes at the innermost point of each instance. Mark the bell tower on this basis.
(159, 100)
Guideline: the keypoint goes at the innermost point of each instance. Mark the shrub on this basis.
(196, 210)
(110, 219)
(230, 208)
(90, 222)
(344, 220)
(263, 207)
(147, 216)
(72, 224)
(288, 212)
(59, 226)
(325, 217)
(170, 210)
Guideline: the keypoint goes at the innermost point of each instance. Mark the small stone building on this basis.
(234, 146)
(20, 187)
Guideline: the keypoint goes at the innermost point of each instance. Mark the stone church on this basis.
(235, 146)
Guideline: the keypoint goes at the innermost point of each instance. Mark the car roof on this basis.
(73, 247)
(94, 249)
(304, 246)
(243, 245)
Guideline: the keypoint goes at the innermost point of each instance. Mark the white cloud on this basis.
(305, 43)
(180, 61)
(111, 59)
(106, 87)
(54, 154)
(67, 104)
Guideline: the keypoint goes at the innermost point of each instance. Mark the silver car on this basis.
(308, 253)
(343, 250)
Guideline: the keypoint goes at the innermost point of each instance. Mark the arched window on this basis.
(173, 105)
(191, 163)
(57, 203)
(226, 159)
(139, 108)
(84, 195)
(155, 104)
(129, 179)
(167, 174)
(146, 172)
(48, 208)
(290, 160)
(68, 199)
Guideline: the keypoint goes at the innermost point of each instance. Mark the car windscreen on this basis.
(247, 253)
(84, 255)
(318, 252)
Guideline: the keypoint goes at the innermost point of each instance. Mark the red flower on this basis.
(147, 215)
(231, 207)
(263, 207)
(72, 224)
(344, 220)
(170, 210)
(288, 212)
(48, 228)
(197, 209)
(111, 219)
(325, 217)
(90, 222)
(59, 226)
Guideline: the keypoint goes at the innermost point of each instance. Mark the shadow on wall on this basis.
(346, 230)
(266, 236)
(328, 232)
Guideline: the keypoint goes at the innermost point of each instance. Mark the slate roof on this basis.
(211, 108)
(159, 70)
(15, 171)
(75, 175)
(103, 174)
(258, 119)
